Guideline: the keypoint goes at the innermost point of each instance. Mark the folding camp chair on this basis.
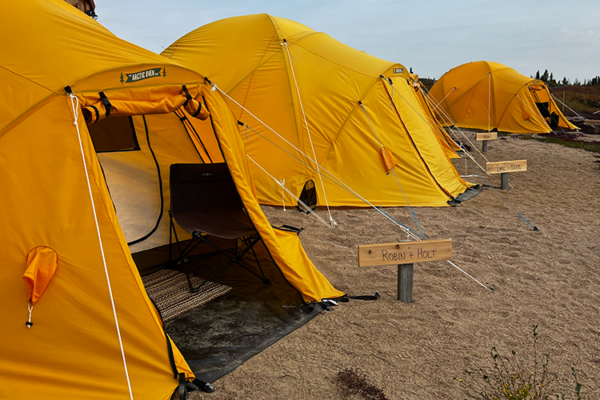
(205, 202)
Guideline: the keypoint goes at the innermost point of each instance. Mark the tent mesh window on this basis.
(114, 134)
(308, 196)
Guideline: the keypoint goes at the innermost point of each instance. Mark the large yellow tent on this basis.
(488, 95)
(309, 97)
(65, 265)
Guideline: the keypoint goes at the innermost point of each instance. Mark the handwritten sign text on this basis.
(404, 252)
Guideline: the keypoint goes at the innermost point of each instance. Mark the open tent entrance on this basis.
(308, 198)
(244, 315)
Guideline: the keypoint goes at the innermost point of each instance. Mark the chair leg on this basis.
(170, 236)
(236, 259)
(265, 280)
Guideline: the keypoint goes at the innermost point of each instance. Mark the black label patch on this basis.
(140, 76)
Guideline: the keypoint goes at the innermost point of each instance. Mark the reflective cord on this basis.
(464, 272)
(564, 104)
(409, 233)
(506, 201)
(533, 112)
(331, 177)
(30, 309)
(440, 103)
(423, 118)
(308, 209)
(282, 192)
(532, 91)
(446, 117)
(335, 180)
(489, 99)
(413, 213)
(75, 109)
(308, 131)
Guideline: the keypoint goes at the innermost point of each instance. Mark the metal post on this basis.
(504, 184)
(405, 283)
(484, 147)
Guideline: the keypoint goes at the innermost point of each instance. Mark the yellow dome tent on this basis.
(357, 115)
(487, 95)
(92, 331)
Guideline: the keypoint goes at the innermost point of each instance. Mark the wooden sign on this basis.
(486, 136)
(404, 252)
(506, 166)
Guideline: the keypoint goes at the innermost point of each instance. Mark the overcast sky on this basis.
(431, 36)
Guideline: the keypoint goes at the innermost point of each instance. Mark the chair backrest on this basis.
(204, 197)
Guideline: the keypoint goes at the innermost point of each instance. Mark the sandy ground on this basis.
(550, 278)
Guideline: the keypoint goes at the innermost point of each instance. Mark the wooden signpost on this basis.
(504, 168)
(484, 137)
(404, 254)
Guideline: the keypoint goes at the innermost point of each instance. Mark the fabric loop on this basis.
(188, 96)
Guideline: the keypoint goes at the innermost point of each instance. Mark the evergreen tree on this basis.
(551, 77)
(537, 75)
(576, 82)
(544, 76)
(565, 81)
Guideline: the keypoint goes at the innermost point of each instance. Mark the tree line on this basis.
(548, 77)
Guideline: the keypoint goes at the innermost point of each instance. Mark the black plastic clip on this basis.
(106, 103)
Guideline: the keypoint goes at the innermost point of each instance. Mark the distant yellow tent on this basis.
(487, 95)
(311, 89)
(93, 332)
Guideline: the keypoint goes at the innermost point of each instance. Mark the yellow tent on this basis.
(92, 332)
(450, 147)
(325, 101)
(487, 95)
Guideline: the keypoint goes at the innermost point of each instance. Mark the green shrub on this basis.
(516, 378)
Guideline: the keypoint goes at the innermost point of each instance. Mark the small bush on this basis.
(515, 378)
(354, 381)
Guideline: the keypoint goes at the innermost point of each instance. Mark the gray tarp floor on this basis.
(219, 336)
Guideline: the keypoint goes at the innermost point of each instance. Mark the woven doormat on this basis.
(171, 293)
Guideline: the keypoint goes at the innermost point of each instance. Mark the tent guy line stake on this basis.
(308, 130)
(464, 272)
(506, 201)
(75, 109)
